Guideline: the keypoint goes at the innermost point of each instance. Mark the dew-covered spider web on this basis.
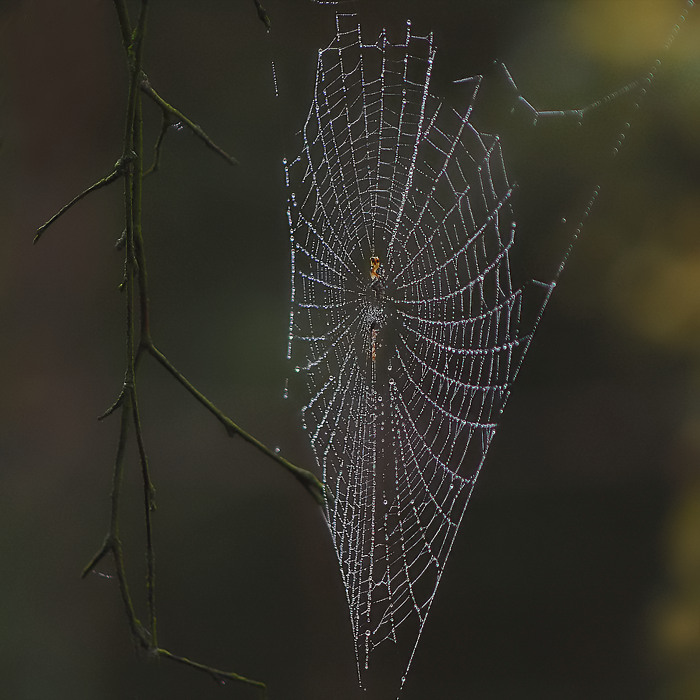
(409, 318)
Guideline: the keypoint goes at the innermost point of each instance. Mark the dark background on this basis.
(577, 570)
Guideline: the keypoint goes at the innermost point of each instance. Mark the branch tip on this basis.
(114, 406)
(218, 675)
(262, 15)
(119, 170)
(106, 547)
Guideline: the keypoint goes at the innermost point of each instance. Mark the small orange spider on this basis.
(378, 287)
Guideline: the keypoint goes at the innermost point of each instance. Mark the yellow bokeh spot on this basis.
(622, 32)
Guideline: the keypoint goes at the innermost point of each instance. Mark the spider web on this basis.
(408, 320)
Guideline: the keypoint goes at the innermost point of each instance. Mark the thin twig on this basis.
(139, 251)
(118, 401)
(149, 507)
(218, 675)
(114, 175)
(307, 479)
(133, 142)
(262, 14)
(178, 116)
(124, 23)
(165, 124)
(112, 543)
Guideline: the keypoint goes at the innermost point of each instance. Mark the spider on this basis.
(377, 286)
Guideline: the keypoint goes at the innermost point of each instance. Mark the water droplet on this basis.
(563, 219)
(101, 574)
(277, 450)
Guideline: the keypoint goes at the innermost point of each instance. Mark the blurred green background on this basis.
(577, 570)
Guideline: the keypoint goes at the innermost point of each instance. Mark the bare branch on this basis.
(108, 179)
(306, 478)
(137, 339)
(165, 123)
(262, 14)
(218, 675)
(177, 116)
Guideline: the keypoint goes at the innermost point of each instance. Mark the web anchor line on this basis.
(410, 317)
